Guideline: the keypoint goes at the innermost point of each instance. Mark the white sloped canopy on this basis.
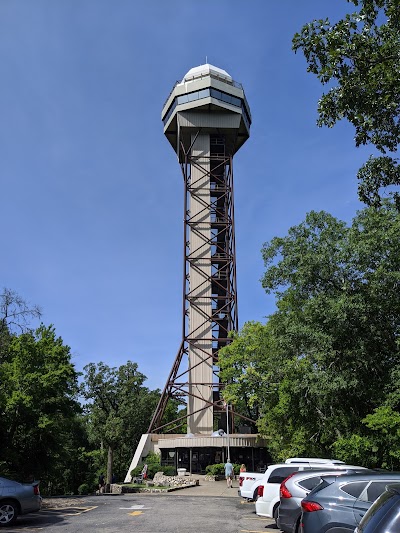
(204, 70)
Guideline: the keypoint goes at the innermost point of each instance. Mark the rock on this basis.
(173, 481)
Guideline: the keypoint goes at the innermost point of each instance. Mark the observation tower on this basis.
(206, 120)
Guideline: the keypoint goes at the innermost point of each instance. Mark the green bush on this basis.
(83, 489)
(216, 470)
(219, 469)
(169, 470)
(153, 466)
(137, 470)
(236, 469)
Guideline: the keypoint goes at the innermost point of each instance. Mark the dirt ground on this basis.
(62, 502)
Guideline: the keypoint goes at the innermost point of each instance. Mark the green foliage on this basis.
(44, 431)
(152, 461)
(135, 472)
(169, 470)
(324, 370)
(152, 458)
(216, 470)
(83, 489)
(359, 57)
(119, 408)
(219, 469)
(357, 449)
(153, 466)
(40, 411)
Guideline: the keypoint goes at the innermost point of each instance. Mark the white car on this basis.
(268, 490)
(250, 481)
(314, 460)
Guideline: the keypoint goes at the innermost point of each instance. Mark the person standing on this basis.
(229, 473)
(101, 483)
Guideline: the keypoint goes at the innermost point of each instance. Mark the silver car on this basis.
(17, 499)
(296, 487)
(338, 503)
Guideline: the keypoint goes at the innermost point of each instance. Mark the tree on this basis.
(359, 58)
(15, 313)
(38, 404)
(243, 369)
(327, 361)
(119, 410)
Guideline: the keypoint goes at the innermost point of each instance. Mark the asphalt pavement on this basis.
(209, 507)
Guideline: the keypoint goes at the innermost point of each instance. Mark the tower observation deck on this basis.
(206, 120)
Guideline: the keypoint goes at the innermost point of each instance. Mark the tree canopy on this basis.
(38, 403)
(46, 431)
(358, 57)
(324, 369)
(119, 409)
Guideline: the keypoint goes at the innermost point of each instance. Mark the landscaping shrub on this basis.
(169, 470)
(219, 469)
(153, 466)
(83, 489)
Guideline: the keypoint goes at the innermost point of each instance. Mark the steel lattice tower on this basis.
(206, 119)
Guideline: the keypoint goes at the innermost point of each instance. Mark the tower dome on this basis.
(206, 70)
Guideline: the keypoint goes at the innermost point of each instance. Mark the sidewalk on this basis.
(208, 488)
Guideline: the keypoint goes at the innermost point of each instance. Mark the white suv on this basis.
(268, 497)
(249, 481)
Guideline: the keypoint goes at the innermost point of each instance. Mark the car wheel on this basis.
(8, 512)
(275, 515)
(255, 495)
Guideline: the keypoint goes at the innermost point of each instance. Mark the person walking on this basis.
(229, 473)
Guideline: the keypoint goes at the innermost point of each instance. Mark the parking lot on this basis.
(175, 512)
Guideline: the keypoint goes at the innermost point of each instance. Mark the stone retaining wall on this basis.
(174, 481)
(169, 482)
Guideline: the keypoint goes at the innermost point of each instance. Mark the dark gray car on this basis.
(338, 503)
(384, 513)
(297, 486)
(17, 498)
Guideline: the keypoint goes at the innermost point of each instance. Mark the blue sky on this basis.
(92, 194)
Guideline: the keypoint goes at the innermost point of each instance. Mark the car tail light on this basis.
(36, 490)
(260, 490)
(310, 507)
(284, 492)
(240, 481)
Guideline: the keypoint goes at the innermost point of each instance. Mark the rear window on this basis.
(310, 483)
(281, 473)
(354, 489)
(374, 491)
(379, 510)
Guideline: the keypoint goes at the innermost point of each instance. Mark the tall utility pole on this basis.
(206, 120)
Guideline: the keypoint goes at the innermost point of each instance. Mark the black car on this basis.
(384, 514)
